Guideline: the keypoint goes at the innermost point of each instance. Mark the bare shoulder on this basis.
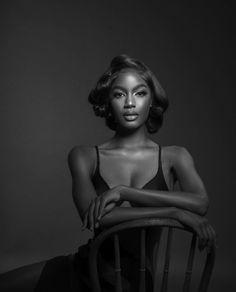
(81, 152)
(177, 156)
(82, 157)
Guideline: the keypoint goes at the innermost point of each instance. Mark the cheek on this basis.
(115, 107)
(145, 107)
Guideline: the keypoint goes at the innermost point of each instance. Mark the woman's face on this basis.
(130, 100)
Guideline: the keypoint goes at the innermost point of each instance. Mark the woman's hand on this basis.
(107, 201)
(100, 206)
(206, 233)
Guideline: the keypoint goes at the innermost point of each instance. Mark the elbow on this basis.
(203, 205)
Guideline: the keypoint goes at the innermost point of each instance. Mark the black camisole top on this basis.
(157, 182)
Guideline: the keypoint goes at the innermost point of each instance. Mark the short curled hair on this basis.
(99, 96)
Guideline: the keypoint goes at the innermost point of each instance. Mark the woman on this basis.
(129, 176)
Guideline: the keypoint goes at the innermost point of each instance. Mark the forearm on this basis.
(121, 214)
(194, 202)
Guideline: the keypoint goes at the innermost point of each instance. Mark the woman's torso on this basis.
(112, 168)
(157, 180)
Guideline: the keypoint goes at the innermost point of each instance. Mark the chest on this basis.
(133, 169)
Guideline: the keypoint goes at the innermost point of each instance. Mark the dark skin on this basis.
(123, 161)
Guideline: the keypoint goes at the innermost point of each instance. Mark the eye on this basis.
(141, 93)
(118, 94)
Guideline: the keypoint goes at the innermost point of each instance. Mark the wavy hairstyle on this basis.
(99, 96)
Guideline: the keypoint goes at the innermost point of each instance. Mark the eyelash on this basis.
(140, 93)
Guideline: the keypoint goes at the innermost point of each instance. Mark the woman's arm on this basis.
(199, 224)
(192, 197)
(81, 163)
(121, 214)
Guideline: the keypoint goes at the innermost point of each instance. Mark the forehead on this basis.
(129, 78)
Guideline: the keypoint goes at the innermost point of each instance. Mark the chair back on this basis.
(143, 225)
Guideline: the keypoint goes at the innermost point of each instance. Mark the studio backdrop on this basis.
(52, 53)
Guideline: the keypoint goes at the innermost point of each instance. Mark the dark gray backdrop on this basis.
(52, 53)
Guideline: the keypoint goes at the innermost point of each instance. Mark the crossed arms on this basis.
(188, 206)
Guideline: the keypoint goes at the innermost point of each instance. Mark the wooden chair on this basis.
(142, 225)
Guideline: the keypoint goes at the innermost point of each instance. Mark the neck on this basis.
(132, 138)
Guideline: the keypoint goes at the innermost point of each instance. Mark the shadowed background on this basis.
(52, 53)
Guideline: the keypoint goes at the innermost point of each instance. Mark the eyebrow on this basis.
(135, 88)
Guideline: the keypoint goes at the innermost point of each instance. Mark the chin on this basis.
(130, 126)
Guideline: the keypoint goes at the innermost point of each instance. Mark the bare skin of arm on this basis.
(81, 164)
(120, 214)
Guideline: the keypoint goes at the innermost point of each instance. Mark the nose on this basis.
(129, 101)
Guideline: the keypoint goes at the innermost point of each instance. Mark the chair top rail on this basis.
(148, 222)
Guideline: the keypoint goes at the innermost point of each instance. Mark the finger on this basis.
(205, 236)
(90, 216)
(108, 208)
(214, 236)
(101, 208)
(210, 238)
(200, 237)
(203, 223)
(96, 209)
(85, 221)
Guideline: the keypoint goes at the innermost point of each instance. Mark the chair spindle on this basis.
(188, 272)
(142, 270)
(117, 263)
(167, 261)
(207, 271)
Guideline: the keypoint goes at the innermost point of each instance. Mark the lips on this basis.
(130, 116)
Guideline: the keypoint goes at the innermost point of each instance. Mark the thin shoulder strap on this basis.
(98, 159)
(159, 159)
